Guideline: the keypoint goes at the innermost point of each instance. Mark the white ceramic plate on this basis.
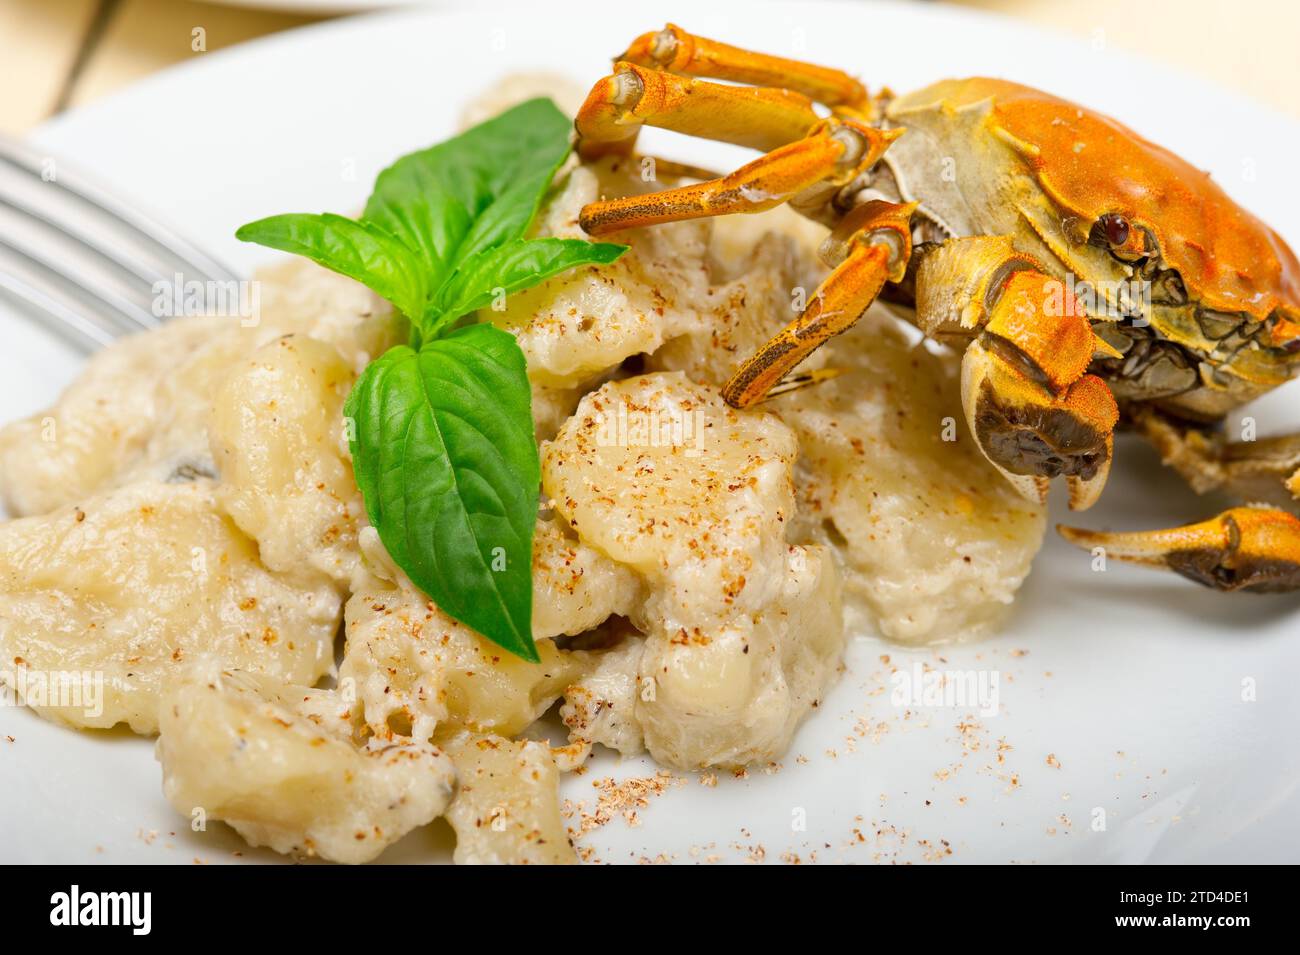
(1132, 680)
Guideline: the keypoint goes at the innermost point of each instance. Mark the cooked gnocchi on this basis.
(414, 670)
(277, 763)
(507, 805)
(743, 630)
(127, 585)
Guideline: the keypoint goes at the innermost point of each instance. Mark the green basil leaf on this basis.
(359, 250)
(444, 451)
(475, 191)
(445, 456)
(508, 268)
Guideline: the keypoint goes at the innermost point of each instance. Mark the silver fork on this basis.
(72, 253)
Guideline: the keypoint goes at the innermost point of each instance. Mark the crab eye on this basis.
(1114, 228)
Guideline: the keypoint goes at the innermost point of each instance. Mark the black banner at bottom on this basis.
(386, 903)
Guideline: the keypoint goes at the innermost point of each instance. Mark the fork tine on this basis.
(126, 228)
(27, 283)
(62, 256)
(69, 249)
(33, 205)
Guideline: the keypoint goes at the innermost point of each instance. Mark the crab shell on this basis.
(1219, 288)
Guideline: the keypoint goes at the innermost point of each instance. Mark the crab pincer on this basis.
(1253, 549)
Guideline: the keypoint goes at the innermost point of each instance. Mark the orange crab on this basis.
(1085, 273)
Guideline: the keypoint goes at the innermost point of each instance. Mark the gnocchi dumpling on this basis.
(581, 324)
(138, 411)
(299, 297)
(658, 474)
(600, 706)
(277, 764)
(276, 432)
(734, 694)
(413, 668)
(743, 632)
(507, 805)
(576, 587)
(118, 590)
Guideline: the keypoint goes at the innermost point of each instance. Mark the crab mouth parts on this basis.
(1153, 366)
(1040, 441)
(1149, 365)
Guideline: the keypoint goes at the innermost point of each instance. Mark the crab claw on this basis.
(1032, 408)
(1254, 549)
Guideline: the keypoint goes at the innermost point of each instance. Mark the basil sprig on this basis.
(443, 447)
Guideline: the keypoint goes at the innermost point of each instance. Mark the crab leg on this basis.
(674, 50)
(1263, 470)
(833, 153)
(872, 245)
(620, 104)
(1255, 549)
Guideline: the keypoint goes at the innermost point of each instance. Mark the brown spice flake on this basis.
(616, 798)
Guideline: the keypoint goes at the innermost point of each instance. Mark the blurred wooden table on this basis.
(55, 54)
(60, 53)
